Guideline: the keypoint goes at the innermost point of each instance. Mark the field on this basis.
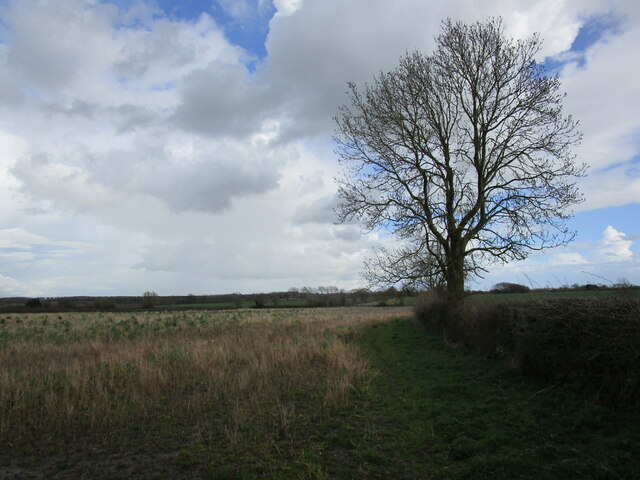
(560, 294)
(232, 305)
(207, 391)
(325, 393)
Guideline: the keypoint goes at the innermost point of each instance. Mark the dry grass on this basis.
(236, 372)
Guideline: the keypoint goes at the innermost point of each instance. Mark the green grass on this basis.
(191, 306)
(232, 305)
(464, 417)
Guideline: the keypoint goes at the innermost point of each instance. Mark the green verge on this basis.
(466, 417)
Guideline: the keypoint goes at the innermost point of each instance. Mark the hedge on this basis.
(590, 343)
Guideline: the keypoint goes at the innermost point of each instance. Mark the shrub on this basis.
(33, 303)
(591, 343)
(434, 310)
(506, 287)
(149, 299)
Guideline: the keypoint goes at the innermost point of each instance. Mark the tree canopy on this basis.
(465, 155)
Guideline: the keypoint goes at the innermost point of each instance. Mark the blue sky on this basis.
(592, 30)
(184, 147)
(247, 28)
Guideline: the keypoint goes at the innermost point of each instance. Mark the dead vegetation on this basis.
(233, 373)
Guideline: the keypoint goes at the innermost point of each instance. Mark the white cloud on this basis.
(612, 187)
(601, 106)
(10, 287)
(21, 240)
(313, 53)
(140, 146)
(158, 57)
(568, 258)
(287, 7)
(614, 245)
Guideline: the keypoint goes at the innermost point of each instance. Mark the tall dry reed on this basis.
(66, 375)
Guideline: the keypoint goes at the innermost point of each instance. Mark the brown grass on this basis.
(236, 372)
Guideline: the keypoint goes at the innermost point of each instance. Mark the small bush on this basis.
(506, 287)
(434, 310)
(33, 303)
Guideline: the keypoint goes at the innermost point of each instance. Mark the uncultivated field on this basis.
(161, 385)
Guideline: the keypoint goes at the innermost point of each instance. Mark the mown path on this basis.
(460, 416)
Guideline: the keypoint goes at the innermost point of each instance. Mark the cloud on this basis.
(193, 256)
(30, 261)
(349, 234)
(287, 7)
(20, 239)
(49, 45)
(609, 131)
(207, 181)
(320, 211)
(568, 258)
(160, 55)
(10, 287)
(614, 245)
(243, 9)
(615, 186)
(208, 186)
(326, 43)
(143, 139)
(223, 99)
(284, 258)
(61, 184)
(10, 92)
(151, 74)
(316, 51)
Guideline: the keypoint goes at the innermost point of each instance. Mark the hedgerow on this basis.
(593, 344)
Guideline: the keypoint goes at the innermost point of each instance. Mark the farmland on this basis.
(209, 380)
(305, 393)
(561, 294)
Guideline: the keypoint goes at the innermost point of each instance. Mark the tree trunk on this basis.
(455, 275)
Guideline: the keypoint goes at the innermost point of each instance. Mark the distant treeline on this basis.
(506, 287)
(294, 297)
(314, 297)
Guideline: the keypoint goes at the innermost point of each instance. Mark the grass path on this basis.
(464, 417)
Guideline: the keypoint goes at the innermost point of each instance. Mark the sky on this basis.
(185, 147)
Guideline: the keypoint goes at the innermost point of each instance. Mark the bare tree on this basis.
(149, 299)
(465, 155)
